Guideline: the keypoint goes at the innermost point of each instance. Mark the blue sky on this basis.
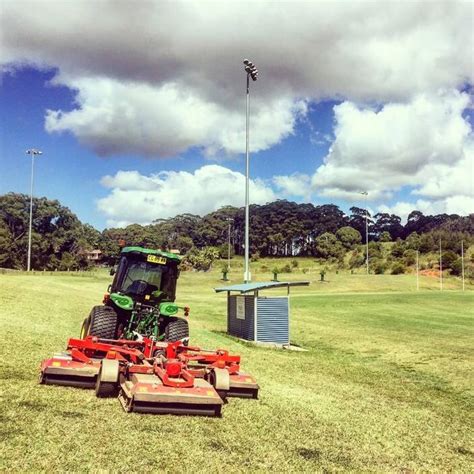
(71, 173)
(132, 132)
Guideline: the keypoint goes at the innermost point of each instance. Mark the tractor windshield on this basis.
(140, 278)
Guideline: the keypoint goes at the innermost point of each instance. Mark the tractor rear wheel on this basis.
(102, 322)
(176, 330)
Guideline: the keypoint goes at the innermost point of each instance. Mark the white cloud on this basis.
(444, 180)
(297, 185)
(403, 208)
(461, 205)
(115, 117)
(156, 77)
(135, 198)
(425, 144)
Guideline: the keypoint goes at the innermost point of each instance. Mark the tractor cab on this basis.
(147, 276)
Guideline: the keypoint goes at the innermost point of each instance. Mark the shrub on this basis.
(183, 243)
(201, 260)
(286, 269)
(456, 267)
(398, 248)
(327, 246)
(398, 268)
(357, 259)
(378, 266)
(375, 250)
(225, 268)
(294, 263)
(224, 251)
(255, 257)
(385, 236)
(449, 257)
(413, 241)
(349, 237)
(409, 257)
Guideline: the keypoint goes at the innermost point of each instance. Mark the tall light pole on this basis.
(417, 270)
(462, 263)
(33, 152)
(440, 267)
(251, 72)
(365, 193)
(229, 220)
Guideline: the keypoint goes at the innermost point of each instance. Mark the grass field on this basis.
(386, 383)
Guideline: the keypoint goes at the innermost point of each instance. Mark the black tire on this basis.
(85, 328)
(103, 322)
(176, 330)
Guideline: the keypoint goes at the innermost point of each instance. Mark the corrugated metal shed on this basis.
(259, 318)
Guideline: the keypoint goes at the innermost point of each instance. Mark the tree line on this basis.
(277, 229)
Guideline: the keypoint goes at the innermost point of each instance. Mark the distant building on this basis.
(94, 255)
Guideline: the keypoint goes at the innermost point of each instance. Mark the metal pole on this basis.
(365, 193)
(440, 267)
(462, 263)
(366, 235)
(228, 249)
(417, 271)
(247, 276)
(32, 153)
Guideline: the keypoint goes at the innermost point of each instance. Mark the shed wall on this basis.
(243, 328)
(273, 320)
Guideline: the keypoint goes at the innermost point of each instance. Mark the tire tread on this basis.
(176, 330)
(103, 322)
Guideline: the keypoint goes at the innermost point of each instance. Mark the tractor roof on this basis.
(171, 256)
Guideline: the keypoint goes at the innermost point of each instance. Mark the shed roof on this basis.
(261, 285)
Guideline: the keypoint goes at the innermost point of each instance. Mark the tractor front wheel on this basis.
(102, 323)
(85, 327)
(176, 330)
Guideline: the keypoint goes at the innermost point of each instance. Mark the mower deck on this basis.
(61, 369)
(147, 394)
(151, 377)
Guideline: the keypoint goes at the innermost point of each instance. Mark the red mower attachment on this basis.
(151, 377)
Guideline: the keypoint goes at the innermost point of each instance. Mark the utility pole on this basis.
(365, 193)
(417, 271)
(252, 72)
(229, 220)
(462, 263)
(440, 267)
(33, 153)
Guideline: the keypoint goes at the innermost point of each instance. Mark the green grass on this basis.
(385, 384)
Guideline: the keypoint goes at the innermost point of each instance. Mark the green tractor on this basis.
(140, 300)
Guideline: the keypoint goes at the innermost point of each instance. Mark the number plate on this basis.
(156, 259)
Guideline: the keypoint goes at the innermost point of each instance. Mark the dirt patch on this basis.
(430, 273)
